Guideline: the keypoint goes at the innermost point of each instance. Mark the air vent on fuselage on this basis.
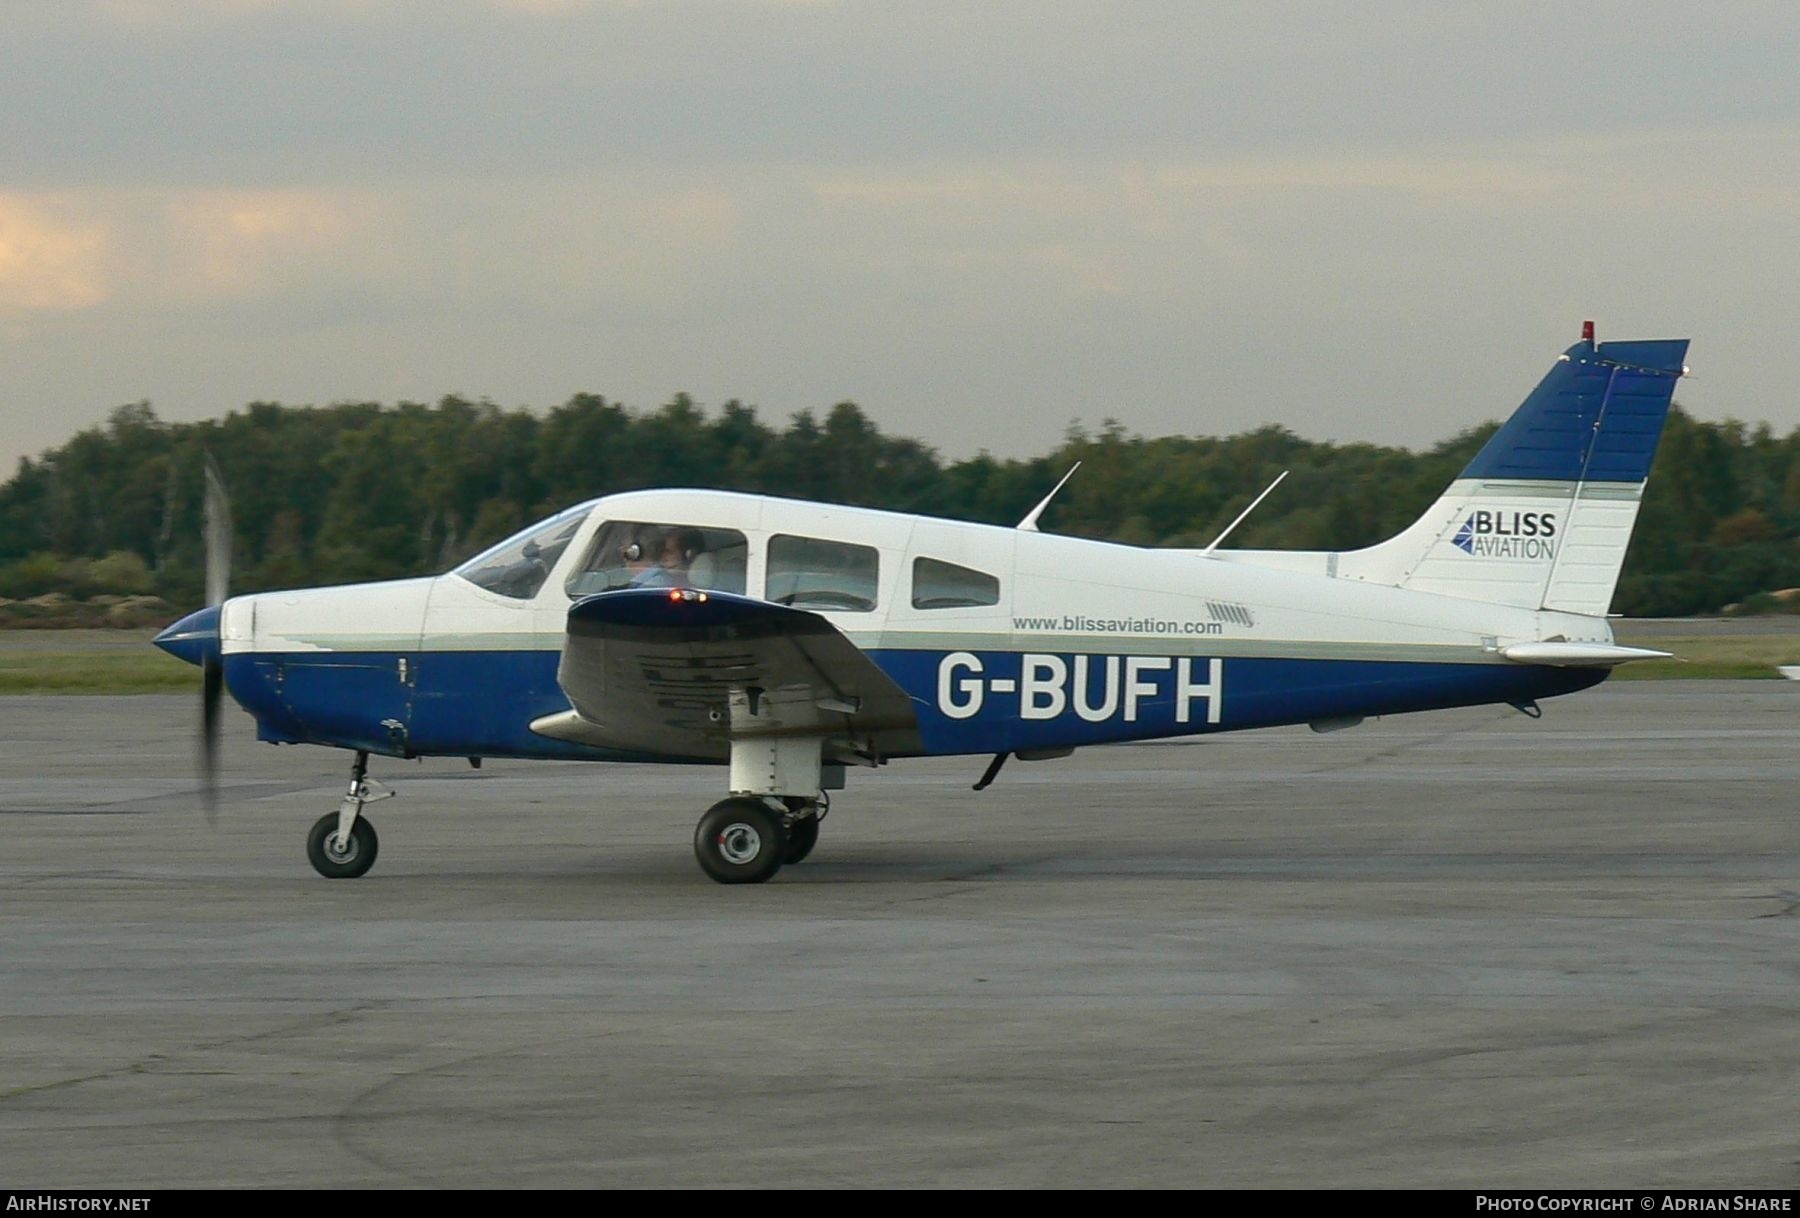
(1225, 611)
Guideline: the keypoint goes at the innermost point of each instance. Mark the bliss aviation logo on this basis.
(1487, 534)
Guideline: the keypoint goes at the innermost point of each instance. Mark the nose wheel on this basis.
(337, 858)
(342, 844)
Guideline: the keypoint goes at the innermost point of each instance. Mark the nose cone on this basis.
(194, 638)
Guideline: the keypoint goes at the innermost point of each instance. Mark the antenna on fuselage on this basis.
(1029, 524)
(1240, 519)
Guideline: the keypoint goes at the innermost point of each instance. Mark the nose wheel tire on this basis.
(341, 860)
(739, 841)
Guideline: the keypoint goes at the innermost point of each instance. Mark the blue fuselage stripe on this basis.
(480, 703)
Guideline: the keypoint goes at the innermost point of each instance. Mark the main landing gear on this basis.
(778, 781)
(342, 844)
(747, 839)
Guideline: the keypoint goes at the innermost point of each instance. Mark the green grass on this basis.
(1751, 656)
(95, 672)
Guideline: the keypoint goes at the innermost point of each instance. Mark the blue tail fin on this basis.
(1542, 516)
(1596, 417)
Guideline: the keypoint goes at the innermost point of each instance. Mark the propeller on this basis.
(217, 535)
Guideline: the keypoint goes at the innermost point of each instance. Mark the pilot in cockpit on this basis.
(639, 554)
(675, 551)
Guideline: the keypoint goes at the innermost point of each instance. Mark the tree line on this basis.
(363, 491)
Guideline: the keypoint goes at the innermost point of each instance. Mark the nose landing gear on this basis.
(342, 844)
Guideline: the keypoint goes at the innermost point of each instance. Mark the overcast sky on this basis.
(1372, 221)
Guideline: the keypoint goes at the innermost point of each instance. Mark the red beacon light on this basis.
(1587, 331)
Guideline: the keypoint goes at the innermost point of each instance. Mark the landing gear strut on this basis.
(802, 821)
(342, 844)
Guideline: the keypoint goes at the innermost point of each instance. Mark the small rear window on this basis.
(944, 585)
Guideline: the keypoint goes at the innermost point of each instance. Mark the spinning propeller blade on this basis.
(217, 536)
(212, 688)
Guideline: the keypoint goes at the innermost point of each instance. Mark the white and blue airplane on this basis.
(791, 641)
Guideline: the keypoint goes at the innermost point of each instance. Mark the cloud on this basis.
(1267, 286)
(140, 14)
(235, 242)
(429, 249)
(559, 7)
(50, 260)
(80, 250)
(1248, 214)
(1417, 176)
(1740, 169)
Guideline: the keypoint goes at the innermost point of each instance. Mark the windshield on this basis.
(518, 566)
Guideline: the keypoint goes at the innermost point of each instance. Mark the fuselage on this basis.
(1005, 640)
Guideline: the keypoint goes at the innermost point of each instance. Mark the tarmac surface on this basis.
(1462, 949)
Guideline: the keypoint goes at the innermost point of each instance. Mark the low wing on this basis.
(679, 673)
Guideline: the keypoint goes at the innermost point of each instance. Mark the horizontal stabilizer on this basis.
(1579, 655)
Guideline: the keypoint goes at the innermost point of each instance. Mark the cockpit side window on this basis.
(661, 554)
(518, 566)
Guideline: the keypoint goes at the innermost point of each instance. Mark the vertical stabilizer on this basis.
(1542, 516)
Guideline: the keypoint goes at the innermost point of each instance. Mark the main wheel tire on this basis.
(347, 862)
(739, 841)
(802, 836)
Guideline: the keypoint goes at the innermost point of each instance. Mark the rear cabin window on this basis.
(944, 585)
(661, 554)
(811, 573)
